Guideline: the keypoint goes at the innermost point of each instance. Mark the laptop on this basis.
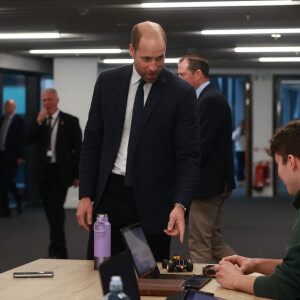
(120, 265)
(144, 261)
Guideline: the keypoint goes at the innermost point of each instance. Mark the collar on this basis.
(296, 201)
(9, 117)
(55, 115)
(135, 76)
(201, 88)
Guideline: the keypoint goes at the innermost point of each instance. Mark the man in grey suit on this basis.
(140, 150)
(216, 164)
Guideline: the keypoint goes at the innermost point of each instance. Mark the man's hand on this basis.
(76, 182)
(176, 223)
(227, 274)
(84, 213)
(43, 114)
(246, 265)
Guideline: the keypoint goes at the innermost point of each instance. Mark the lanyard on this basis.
(51, 127)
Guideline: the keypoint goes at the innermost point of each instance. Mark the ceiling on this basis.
(107, 24)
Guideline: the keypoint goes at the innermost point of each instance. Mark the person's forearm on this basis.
(244, 283)
(266, 266)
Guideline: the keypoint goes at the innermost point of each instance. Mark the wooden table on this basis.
(77, 280)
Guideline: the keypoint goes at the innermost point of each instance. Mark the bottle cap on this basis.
(102, 215)
(116, 284)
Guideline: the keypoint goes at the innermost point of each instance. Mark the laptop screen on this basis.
(140, 250)
(120, 264)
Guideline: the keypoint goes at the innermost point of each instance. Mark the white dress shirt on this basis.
(120, 163)
(54, 135)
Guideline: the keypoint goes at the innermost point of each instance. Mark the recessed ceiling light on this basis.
(250, 31)
(279, 59)
(130, 60)
(267, 49)
(76, 51)
(32, 35)
(216, 4)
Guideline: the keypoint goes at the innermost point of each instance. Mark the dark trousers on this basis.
(240, 159)
(53, 196)
(119, 204)
(8, 171)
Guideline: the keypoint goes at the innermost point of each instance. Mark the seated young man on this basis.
(282, 280)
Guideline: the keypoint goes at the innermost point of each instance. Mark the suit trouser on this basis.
(8, 171)
(119, 204)
(205, 240)
(53, 195)
(240, 158)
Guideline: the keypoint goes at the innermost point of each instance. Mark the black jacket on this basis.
(68, 147)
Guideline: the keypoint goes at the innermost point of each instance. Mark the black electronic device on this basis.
(193, 295)
(121, 265)
(209, 271)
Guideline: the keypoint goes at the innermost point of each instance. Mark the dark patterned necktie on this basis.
(49, 132)
(137, 115)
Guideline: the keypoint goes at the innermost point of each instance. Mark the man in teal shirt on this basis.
(282, 280)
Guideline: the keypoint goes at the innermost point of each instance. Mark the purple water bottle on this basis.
(102, 240)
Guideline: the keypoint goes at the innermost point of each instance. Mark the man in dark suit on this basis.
(216, 164)
(58, 138)
(140, 166)
(12, 129)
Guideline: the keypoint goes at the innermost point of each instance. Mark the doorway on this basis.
(236, 89)
(286, 108)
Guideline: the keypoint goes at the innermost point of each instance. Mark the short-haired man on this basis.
(12, 128)
(282, 280)
(58, 138)
(139, 158)
(216, 180)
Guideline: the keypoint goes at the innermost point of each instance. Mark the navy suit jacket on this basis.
(216, 155)
(166, 157)
(14, 142)
(67, 149)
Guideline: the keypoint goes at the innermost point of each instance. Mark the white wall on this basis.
(74, 80)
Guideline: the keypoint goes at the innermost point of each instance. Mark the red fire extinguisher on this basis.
(267, 180)
(259, 176)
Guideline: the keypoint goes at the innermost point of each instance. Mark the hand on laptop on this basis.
(176, 223)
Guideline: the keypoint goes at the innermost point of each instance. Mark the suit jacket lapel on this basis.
(154, 97)
(120, 99)
(60, 123)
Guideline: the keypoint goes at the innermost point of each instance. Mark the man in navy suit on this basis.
(12, 128)
(58, 139)
(141, 168)
(216, 164)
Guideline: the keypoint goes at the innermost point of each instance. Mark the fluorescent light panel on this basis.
(130, 60)
(250, 31)
(32, 35)
(279, 59)
(216, 4)
(76, 51)
(266, 49)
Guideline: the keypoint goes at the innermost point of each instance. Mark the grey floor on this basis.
(255, 227)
